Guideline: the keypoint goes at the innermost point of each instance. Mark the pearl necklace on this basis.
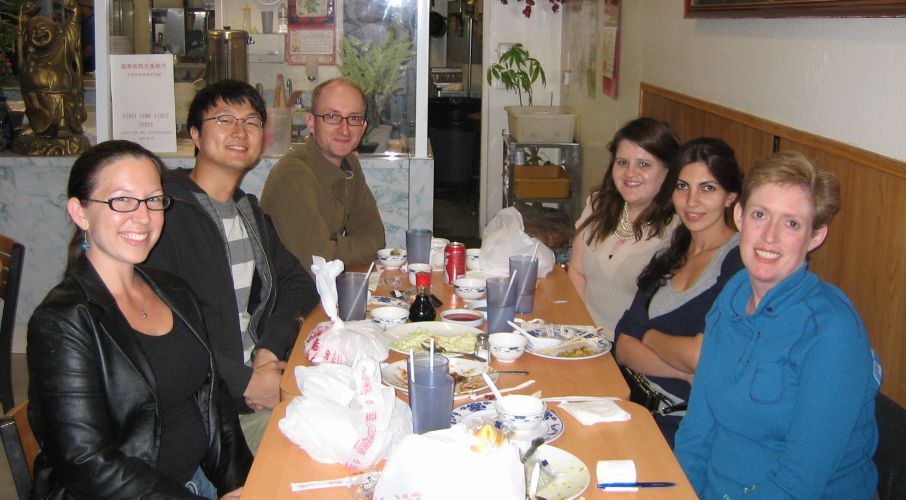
(624, 229)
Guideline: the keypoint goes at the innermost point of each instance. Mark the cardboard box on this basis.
(540, 124)
(541, 181)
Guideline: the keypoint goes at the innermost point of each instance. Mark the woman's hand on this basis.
(679, 352)
(632, 353)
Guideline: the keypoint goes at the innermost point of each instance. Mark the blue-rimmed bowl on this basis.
(507, 347)
(521, 411)
(470, 288)
(392, 258)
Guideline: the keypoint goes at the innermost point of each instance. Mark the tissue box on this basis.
(541, 181)
(539, 124)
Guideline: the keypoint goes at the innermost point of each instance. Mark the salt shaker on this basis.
(483, 346)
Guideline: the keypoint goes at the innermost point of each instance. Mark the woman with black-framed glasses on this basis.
(125, 399)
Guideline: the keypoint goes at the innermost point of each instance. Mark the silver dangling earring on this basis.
(84, 244)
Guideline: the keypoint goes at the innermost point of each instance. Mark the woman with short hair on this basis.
(783, 404)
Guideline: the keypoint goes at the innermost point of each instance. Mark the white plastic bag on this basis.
(346, 342)
(345, 415)
(505, 236)
(442, 465)
(336, 341)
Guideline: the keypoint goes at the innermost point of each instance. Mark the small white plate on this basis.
(480, 306)
(434, 328)
(597, 346)
(572, 478)
(550, 428)
(395, 375)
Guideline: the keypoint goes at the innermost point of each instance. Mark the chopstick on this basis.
(577, 340)
(475, 395)
(567, 399)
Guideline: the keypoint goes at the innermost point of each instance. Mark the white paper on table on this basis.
(326, 281)
(593, 412)
(616, 471)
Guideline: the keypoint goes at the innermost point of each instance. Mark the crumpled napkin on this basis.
(593, 412)
(326, 281)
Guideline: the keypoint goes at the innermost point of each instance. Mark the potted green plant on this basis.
(376, 68)
(518, 71)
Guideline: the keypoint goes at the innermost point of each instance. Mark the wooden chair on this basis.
(890, 458)
(11, 256)
(21, 447)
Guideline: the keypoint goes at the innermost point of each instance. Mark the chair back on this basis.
(890, 458)
(21, 447)
(12, 254)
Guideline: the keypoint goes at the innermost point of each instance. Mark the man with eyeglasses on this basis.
(317, 194)
(253, 292)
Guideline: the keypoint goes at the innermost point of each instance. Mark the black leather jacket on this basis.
(93, 399)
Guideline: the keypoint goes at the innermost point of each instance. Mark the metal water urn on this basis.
(227, 55)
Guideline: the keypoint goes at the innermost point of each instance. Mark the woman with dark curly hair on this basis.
(625, 221)
(660, 335)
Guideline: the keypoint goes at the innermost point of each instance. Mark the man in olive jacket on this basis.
(317, 194)
(253, 292)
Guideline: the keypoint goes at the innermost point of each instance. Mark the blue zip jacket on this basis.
(783, 403)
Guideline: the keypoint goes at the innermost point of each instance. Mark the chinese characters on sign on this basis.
(136, 117)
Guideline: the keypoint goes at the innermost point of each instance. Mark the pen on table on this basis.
(643, 484)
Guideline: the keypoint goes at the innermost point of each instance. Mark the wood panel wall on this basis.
(865, 252)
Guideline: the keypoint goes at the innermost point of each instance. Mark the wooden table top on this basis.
(279, 462)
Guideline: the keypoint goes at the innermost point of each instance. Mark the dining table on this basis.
(279, 462)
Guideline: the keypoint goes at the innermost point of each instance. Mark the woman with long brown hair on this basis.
(625, 221)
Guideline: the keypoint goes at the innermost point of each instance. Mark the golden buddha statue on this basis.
(50, 76)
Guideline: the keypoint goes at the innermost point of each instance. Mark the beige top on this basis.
(611, 268)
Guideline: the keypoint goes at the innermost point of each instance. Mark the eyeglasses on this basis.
(129, 204)
(251, 123)
(336, 119)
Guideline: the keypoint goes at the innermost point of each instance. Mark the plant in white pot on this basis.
(518, 71)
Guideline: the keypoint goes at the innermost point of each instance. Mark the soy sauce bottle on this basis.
(422, 309)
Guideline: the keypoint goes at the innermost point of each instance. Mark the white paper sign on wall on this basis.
(144, 106)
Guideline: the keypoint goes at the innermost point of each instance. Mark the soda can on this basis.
(454, 261)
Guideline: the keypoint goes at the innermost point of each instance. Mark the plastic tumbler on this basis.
(352, 296)
(526, 275)
(430, 394)
(418, 246)
(267, 22)
(501, 305)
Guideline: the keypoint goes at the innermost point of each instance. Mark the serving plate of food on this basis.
(465, 372)
(582, 349)
(452, 338)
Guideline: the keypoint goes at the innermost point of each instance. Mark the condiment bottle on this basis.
(422, 309)
(282, 19)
